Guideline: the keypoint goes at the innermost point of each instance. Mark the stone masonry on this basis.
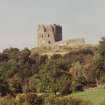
(51, 35)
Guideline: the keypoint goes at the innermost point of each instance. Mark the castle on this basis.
(51, 35)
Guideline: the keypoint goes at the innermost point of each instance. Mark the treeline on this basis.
(22, 72)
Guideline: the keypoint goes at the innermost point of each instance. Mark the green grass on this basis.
(96, 96)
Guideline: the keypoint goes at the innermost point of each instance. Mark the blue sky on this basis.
(79, 18)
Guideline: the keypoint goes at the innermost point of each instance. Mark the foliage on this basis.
(51, 78)
(7, 100)
(27, 73)
(65, 101)
(4, 87)
(100, 60)
(78, 77)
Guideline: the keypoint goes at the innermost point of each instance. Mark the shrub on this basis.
(29, 99)
(100, 60)
(7, 100)
(33, 99)
(76, 86)
(4, 88)
(65, 101)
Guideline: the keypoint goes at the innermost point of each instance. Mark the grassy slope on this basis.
(59, 49)
(95, 96)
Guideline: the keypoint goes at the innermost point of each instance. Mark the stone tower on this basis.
(49, 34)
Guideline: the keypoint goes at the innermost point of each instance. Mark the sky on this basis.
(79, 19)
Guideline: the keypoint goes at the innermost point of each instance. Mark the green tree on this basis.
(51, 78)
(79, 80)
(100, 60)
(4, 87)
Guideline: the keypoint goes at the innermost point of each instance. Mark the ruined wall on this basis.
(49, 34)
(71, 42)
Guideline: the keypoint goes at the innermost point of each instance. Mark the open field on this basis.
(95, 96)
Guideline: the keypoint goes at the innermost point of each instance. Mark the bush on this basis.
(33, 99)
(7, 100)
(65, 101)
(29, 99)
(100, 60)
(4, 88)
(76, 86)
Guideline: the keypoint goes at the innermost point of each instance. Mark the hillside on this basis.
(60, 49)
(43, 73)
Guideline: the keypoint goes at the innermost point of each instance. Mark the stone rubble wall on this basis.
(51, 35)
(71, 42)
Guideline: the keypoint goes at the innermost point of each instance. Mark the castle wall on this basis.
(71, 42)
(51, 35)
(48, 35)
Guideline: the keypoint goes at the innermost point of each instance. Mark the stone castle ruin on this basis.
(51, 35)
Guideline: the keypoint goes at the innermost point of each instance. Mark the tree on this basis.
(4, 87)
(53, 79)
(100, 60)
(79, 80)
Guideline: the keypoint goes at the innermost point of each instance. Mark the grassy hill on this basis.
(61, 75)
(60, 49)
